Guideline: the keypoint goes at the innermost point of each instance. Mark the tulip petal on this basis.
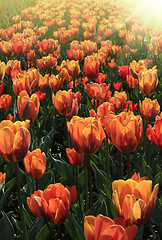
(138, 211)
(131, 232)
(127, 207)
(89, 222)
(101, 223)
(143, 190)
(114, 232)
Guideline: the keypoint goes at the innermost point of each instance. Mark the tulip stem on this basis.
(51, 231)
(120, 164)
(148, 152)
(77, 186)
(128, 165)
(36, 184)
(66, 132)
(74, 84)
(20, 200)
(107, 159)
(89, 197)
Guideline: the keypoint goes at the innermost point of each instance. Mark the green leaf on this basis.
(46, 179)
(43, 234)
(8, 188)
(35, 228)
(140, 231)
(157, 215)
(6, 228)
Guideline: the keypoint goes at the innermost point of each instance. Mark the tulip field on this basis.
(80, 121)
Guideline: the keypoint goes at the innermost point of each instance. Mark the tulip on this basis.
(15, 140)
(55, 82)
(2, 177)
(136, 177)
(1, 87)
(63, 101)
(2, 70)
(112, 64)
(28, 107)
(154, 133)
(41, 95)
(74, 157)
(123, 71)
(35, 163)
(5, 102)
(73, 194)
(126, 132)
(117, 86)
(149, 109)
(131, 81)
(43, 81)
(119, 100)
(148, 81)
(135, 201)
(101, 227)
(91, 69)
(86, 134)
(101, 78)
(53, 203)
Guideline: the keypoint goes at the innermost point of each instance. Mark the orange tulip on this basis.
(91, 69)
(154, 133)
(86, 134)
(126, 132)
(148, 81)
(1, 87)
(123, 71)
(55, 82)
(149, 109)
(136, 177)
(15, 140)
(131, 81)
(119, 100)
(117, 86)
(63, 101)
(2, 177)
(74, 157)
(43, 81)
(73, 194)
(53, 203)
(5, 102)
(135, 201)
(35, 163)
(102, 228)
(73, 67)
(28, 107)
(2, 70)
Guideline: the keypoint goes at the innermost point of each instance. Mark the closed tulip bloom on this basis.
(102, 228)
(105, 108)
(117, 86)
(119, 100)
(35, 163)
(2, 177)
(73, 67)
(43, 81)
(63, 101)
(1, 87)
(2, 70)
(91, 69)
(135, 201)
(74, 157)
(123, 71)
(73, 194)
(53, 203)
(28, 107)
(136, 67)
(31, 56)
(15, 140)
(148, 81)
(154, 133)
(138, 178)
(149, 109)
(55, 82)
(86, 134)
(94, 91)
(5, 102)
(131, 81)
(127, 132)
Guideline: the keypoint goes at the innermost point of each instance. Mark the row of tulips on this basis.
(77, 127)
